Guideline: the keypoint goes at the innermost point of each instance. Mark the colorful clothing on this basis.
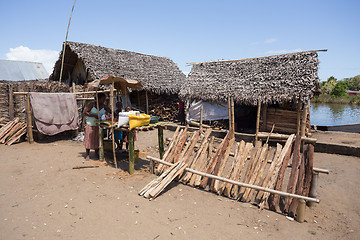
(91, 138)
(91, 121)
(118, 135)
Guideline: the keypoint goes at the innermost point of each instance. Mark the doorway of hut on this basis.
(245, 118)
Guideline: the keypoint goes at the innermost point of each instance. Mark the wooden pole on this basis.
(112, 123)
(161, 141)
(29, 120)
(101, 132)
(229, 109)
(298, 120)
(241, 184)
(232, 116)
(131, 152)
(64, 46)
(147, 102)
(314, 186)
(201, 114)
(257, 120)
(11, 103)
(303, 120)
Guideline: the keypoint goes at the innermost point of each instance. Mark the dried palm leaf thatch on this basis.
(272, 79)
(156, 74)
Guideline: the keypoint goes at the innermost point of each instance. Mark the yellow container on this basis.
(138, 121)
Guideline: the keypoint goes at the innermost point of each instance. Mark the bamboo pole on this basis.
(29, 120)
(131, 152)
(147, 102)
(238, 183)
(232, 116)
(64, 46)
(112, 122)
(257, 120)
(298, 121)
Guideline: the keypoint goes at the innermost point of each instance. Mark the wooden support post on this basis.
(11, 103)
(112, 122)
(201, 114)
(232, 116)
(152, 167)
(147, 102)
(298, 121)
(257, 121)
(300, 211)
(303, 120)
(131, 152)
(73, 87)
(314, 186)
(229, 109)
(161, 141)
(264, 117)
(29, 119)
(101, 144)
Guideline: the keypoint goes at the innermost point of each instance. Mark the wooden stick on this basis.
(303, 120)
(299, 183)
(298, 121)
(161, 141)
(131, 152)
(233, 116)
(294, 170)
(239, 183)
(201, 114)
(29, 120)
(284, 160)
(82, 167)
(229, 115)
(226, 188)
(308, 170)
(257, 120)
(112, 130)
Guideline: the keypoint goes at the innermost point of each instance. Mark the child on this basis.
(118, 135)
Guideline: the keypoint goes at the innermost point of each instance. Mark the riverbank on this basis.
(325, 98)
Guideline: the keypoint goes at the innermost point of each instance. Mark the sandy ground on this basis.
(42, 197)
(337, 137)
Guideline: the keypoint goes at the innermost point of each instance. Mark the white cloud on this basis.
(284, 51)
(44, 56)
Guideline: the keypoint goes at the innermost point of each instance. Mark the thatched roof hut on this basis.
(85, 62)
(272, 79)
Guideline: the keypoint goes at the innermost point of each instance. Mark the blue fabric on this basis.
(118, 135)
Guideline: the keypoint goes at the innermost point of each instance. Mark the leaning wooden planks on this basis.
(155, 187)
(12, 131)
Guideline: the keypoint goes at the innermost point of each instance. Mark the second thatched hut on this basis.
(281, 86)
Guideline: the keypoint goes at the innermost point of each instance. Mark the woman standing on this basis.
(91, 139)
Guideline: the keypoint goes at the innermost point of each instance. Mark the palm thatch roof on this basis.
(156, 74)
(272, 79)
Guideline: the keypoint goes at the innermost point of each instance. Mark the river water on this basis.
(334, 114)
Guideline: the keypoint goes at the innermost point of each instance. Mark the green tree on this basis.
(339, 89)
(354, 83)
(327, 87)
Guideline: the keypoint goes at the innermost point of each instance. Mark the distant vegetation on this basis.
(334, 91)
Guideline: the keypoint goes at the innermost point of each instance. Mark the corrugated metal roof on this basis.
(20, 70)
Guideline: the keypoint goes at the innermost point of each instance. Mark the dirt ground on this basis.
(337, 137)
(42, 197)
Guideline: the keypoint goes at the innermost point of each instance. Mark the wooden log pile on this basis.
(258, 164)
(12, 131)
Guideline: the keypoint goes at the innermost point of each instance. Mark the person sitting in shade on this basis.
(91, 138)
(119, 135)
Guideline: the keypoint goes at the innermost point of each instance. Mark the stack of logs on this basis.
(258, 164)
(12, 131)
(167, 111)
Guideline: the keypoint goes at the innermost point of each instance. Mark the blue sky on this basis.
(187, 31)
